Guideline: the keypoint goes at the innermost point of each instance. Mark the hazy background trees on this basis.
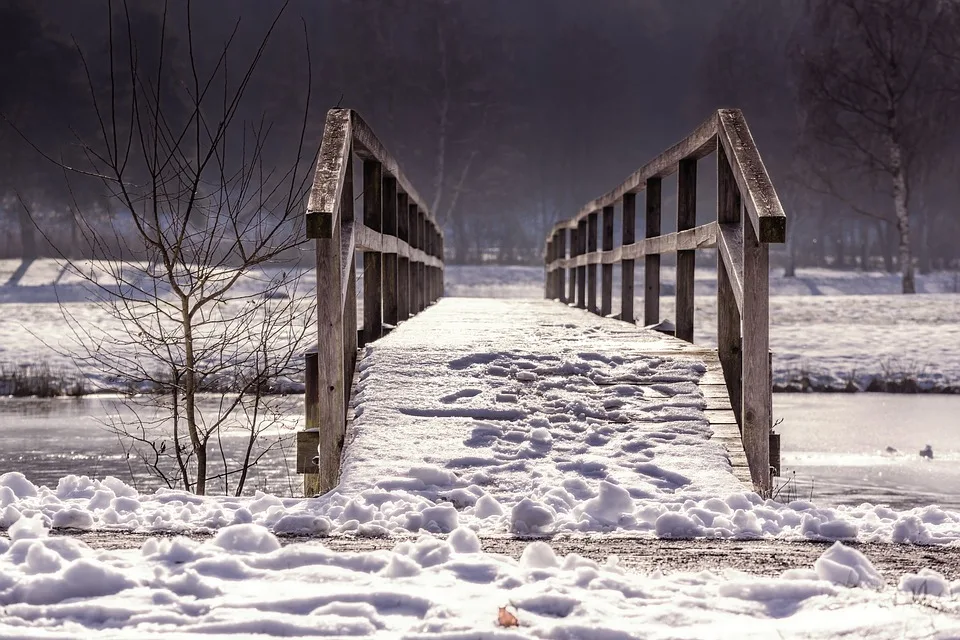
(510, 115)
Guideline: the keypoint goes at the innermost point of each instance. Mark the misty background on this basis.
(508, 115)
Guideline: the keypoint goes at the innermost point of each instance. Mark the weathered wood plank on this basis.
(574, 248)
(390, 305)
(561, 252)
(372, 262)
(592, 224)
(606, 273)
(757, 393)
(628, 229)
(651, 271)
(403, 262)
(331, 335)
(686, 258)
(763, 205)
(581, 269)
(730, 281)
(701, 237)
(325, 193)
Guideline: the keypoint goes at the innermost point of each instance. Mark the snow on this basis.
(829, 329)
(243, 583)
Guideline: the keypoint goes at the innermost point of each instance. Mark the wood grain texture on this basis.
(628, 229)
(686, 258)
(581, 269)
(592, 224)
(606, 271)
(651, 270)
(325, 193)
(759, 197)
(757, 392)
(372, 263)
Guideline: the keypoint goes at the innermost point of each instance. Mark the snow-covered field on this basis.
(244, 584)
(830, 330)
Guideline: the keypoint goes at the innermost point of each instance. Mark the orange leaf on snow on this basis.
(507, 619)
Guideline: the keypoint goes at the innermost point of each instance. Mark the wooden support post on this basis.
(629, 236)
(311, 407)
(651, 269)
(390, 305)
(421, 267)
(350, 333)
(729, 344)
(403, 263)
(606, 271)
(561, 273)
(757, 393)
(581, 270)
(548, 275)
(686, 260)
(414, 266)
(372, 261)
(332, 339)
(592, 224)
(572, 285)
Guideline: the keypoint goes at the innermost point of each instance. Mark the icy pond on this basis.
(837, 446)
(834, 446)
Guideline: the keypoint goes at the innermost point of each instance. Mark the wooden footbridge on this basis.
(402, 253)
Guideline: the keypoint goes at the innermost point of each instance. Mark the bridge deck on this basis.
(484, 402)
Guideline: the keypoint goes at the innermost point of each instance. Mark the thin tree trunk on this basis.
(903, 214)
(190, 401)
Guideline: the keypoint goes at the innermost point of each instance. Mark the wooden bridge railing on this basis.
(743, 327)
(402, 247)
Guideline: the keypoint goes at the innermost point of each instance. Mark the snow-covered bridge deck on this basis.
(529, 396)
(548, 415)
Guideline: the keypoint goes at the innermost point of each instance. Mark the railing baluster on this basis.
(729, 210)
(372, 260)
(572, 285)
(403, 263)
(757, 393)
(629, 236)
(390, 305)
(582, 270)
(561, 274)
(651, 269)
(592, 224)
(606, 271)
(686, 260)
(421, 267)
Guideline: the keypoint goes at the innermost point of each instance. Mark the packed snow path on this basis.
(539, 411)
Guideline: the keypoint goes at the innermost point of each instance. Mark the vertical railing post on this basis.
(390, 305)
(310, 434)
(572, 285)
(421, 267)
(592, 224)
(561, 273)
(686, 259)
(729, 344)
(334, 325)
(403, 263)
(372, 260)
(651, 269)
(414, 265)
(757, 394)
(606, 270)
(582, 270)
(629, 236)
(547, 274)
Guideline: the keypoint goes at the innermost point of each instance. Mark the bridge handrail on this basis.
(743, 326)
(402, 247)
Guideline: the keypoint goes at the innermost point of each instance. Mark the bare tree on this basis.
(209, 317)
(872, 83)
